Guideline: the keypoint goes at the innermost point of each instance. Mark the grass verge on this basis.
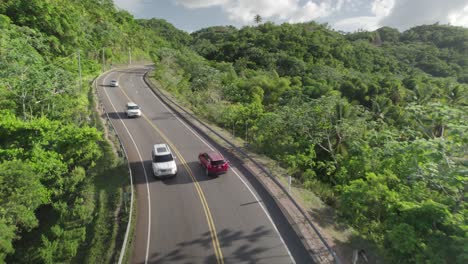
(112, 197)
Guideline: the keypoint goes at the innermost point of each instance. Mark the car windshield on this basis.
(217, 162)
(163, 158)
(133, 107)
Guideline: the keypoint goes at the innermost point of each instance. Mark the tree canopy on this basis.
(49, 146)
(373, 122)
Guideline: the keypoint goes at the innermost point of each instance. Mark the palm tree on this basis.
(258, 19)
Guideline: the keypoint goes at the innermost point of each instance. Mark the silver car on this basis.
(114, 83)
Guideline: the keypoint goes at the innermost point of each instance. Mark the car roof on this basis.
(161, 149)
(215, 155)
(131, 104)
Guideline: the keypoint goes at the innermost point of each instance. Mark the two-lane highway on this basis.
(191, 218)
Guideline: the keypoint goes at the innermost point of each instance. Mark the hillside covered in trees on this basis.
(53, 155)
(372, 122)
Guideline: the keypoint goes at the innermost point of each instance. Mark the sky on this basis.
(343, 15)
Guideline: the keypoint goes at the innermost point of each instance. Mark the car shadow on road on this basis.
(118, 115)
(185, 177)
(182, 177)
(142, 173)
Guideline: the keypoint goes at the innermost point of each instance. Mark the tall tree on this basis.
(258, 19)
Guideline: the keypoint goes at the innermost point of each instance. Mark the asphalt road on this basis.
(192, 218)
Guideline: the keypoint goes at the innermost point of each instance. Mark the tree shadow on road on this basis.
(246, 248)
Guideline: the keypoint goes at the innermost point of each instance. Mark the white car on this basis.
(132, 110)
(114, 83)
(163, 161)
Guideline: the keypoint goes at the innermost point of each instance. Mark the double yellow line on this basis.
(209, 218)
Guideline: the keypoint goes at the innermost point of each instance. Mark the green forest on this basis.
(60, 183)
(374, 123)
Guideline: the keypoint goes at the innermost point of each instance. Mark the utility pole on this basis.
(246, 138)
(79, 68)
(1, 45)
(129, 56)
(103, 60)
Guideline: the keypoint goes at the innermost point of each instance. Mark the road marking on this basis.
(242, 180)
(209, 218)
(267, 214)
(182, 122)
(206, 209)
(144, 171)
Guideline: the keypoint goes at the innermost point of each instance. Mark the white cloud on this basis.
(382, 8)
(355, 5)
(201, 3)
(410, 13)
(404, 14)
(243, 11)
(130, 6)
(459, 18)
(379, 9)
(312, 11)
(346, 15)
(355, 23)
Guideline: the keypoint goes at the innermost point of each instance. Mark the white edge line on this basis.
(242, 180)
(144, 171)
(127, 231)
(267, 214)
(182, 122)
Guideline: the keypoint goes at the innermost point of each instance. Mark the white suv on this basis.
(114, 83)
(163, 161)
(132, 110)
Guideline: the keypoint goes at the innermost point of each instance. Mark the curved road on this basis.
(192, 218)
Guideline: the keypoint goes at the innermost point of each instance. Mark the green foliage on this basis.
(388, 34)
(48, 151)
(367, 203)
(21, 193)
(7, 234)
(45, 170)
(18, 204)
(167, 31)
(371, 121)
(51, 17)
(374, 122)
(62, 245)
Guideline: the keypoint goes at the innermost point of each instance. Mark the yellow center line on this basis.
(209, 218)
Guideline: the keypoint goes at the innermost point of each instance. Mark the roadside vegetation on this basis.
(372, 122)
(62, 188)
